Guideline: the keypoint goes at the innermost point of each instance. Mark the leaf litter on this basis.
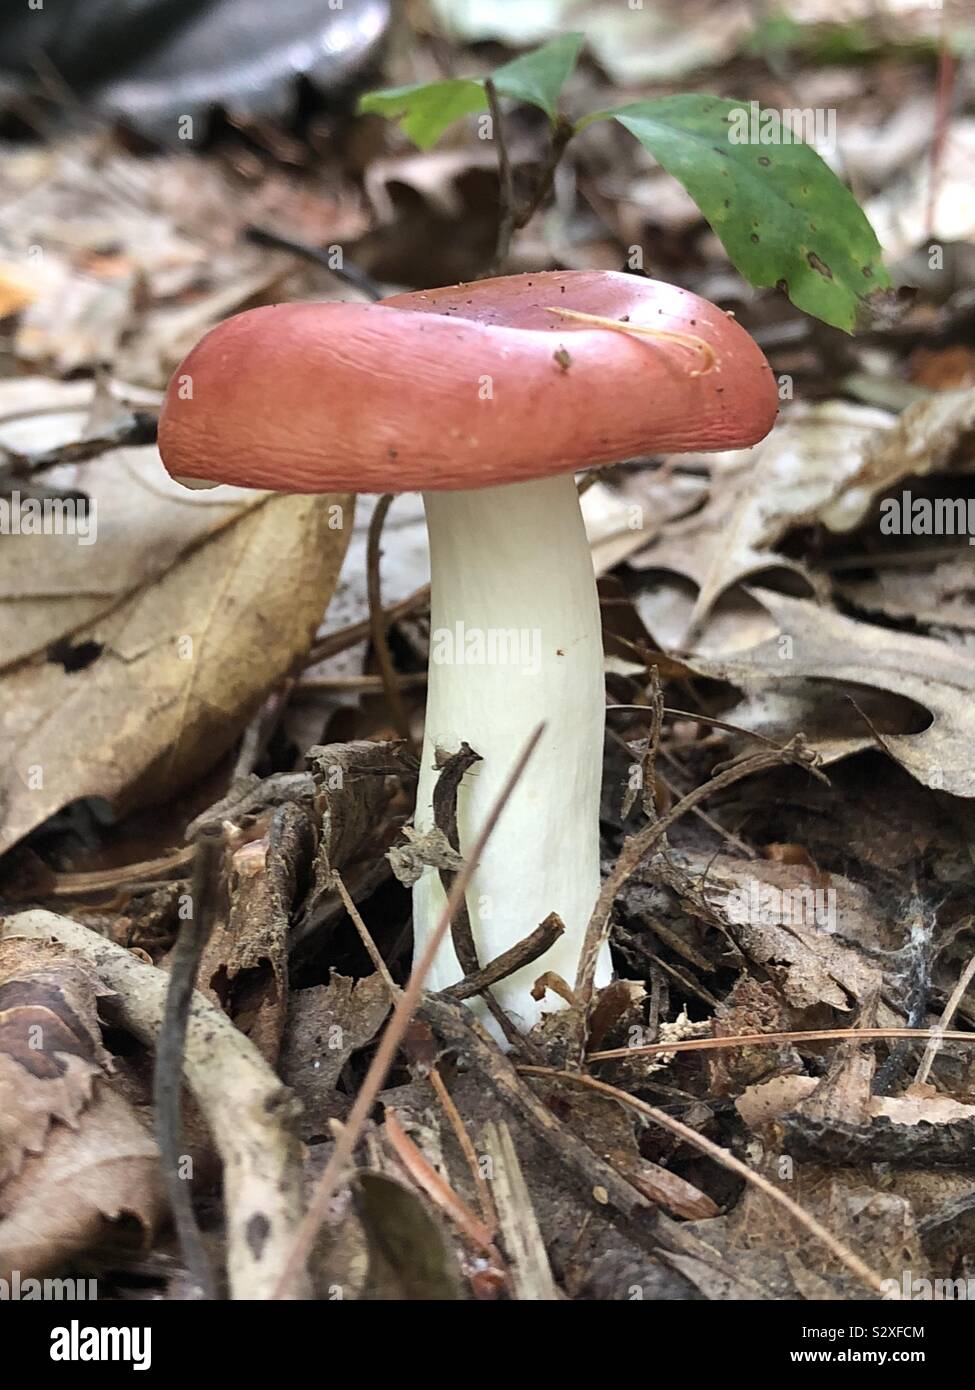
(760, 584)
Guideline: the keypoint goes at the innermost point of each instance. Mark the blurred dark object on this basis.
(162, 66)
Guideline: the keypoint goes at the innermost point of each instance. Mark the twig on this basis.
(377, 621)
(249, 1113)
(522, 953)
(260, 730)
(136, 429)
(474, 1231)
(635, 847)
(513, 218)
(392, 1037)
(484, 1199)
(344, 637)
(697, 811)
(561, 135)
(727, 835)
(841, 1252)
(365, 935)
(349, 274)
(655, 713)
(167, 1076)
(453, 768)
(101, 880)
(463, 1033)
(414, 680)
(618, 1054)
(700, 719)
(529, 1269)
(939, 1033)
(506, 182)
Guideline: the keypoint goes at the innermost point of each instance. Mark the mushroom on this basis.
(487, 398)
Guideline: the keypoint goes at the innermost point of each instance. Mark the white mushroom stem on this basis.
(515, 640)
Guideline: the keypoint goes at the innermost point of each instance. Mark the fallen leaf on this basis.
(74, 1156)
(53, 585)
(50, 1046)
(326, 1025)
(826, 653)
(410, 1258)
(823, 463)
(161, 687)
(74, 1196)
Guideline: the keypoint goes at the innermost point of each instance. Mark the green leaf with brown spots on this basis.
(782, 215)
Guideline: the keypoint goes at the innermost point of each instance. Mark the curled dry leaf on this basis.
(828, 654)
(823, 464)
(175, 671)
(74, 1156)
(74, 1195)
(50, 1046)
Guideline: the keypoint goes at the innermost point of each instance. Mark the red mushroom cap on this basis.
(465, 387)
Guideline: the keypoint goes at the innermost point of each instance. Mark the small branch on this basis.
(699, 719)
(167, 1076)
(939, 1033)
(506, 183)
(453, 768)
(372, 950)
(345, 637)
(522, 953)
(857, 1267)
(619, 1054)
(635, 847)
(474, 1231)
(377, 621)
(137, 428)
(561, 135)
(392, 1037)
(529, 1269)
(512, 218)
(349, 274)
(484, 1199)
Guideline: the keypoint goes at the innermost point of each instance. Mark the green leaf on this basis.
(428, 108)
(782, 216)
(537, 78)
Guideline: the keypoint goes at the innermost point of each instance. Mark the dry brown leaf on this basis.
(817, 645)
(822, 463)
(73, 1153)
(326, 1024)
(53, 585)
(68, 1199)
(50, 1046)
(178, 668)
(759, 1105)
(937, 596)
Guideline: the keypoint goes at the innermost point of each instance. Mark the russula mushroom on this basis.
(487, 398)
